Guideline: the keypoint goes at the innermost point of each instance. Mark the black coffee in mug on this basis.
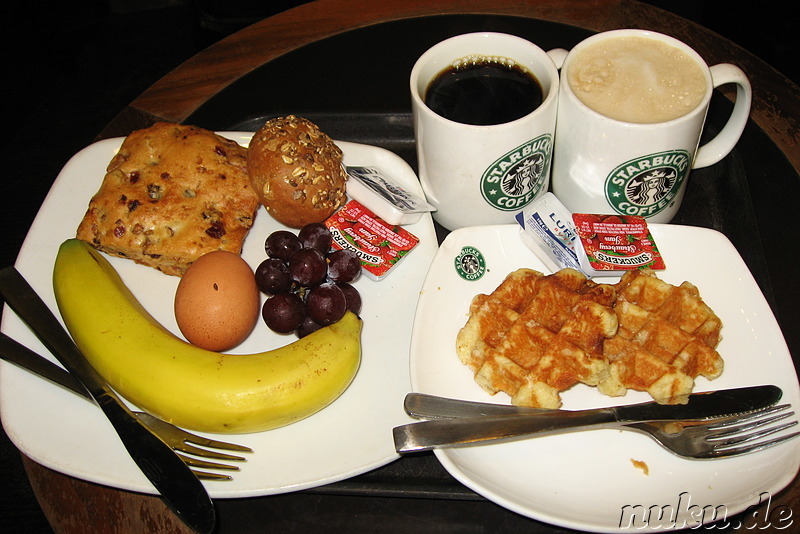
(483, 92)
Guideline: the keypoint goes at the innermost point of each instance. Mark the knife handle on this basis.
(424, 406)
(437, 433)
(22, 298)
(18, 354)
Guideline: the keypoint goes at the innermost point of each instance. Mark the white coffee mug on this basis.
(619, 165)
(484, 174)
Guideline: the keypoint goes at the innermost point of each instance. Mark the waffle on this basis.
(667, 337)
(538, 335)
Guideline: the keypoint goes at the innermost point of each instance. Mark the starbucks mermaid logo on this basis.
(515, 179)
(646, 185)
(652, 186)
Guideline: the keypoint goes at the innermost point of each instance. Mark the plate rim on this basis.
(449, 457)
(98, 150)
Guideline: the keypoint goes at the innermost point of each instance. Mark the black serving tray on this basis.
(355, 87)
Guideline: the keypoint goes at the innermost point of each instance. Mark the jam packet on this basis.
(380, 246)
(612, 244)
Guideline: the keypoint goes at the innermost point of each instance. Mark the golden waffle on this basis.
(491, 316)
(536, 336)
(667, 337)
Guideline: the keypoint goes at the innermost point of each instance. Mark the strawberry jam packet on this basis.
(379, 245)
(615, 243)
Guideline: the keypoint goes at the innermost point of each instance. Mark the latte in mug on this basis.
(631, 111)
(637, 79)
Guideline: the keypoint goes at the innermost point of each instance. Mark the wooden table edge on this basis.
(776, 108)
(776, 100)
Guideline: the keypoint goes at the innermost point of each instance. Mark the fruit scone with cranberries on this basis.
(171, 194)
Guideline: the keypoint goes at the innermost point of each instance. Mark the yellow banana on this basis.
(186, 385)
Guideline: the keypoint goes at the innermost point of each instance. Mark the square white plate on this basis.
(349, 437)
(588, 480)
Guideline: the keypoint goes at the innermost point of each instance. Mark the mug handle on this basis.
(719, 147)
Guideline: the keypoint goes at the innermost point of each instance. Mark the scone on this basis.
(297, 171)
(171, 194)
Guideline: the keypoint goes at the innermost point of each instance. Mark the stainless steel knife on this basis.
(181, 490)
(463, 423)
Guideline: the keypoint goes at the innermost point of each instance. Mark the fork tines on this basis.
(189, 453)
(743, 434)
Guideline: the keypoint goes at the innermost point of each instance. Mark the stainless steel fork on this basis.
(731, 437)
(723, 437)
(190, 447)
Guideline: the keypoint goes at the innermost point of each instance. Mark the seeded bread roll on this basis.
(171, 194)
(297, 171)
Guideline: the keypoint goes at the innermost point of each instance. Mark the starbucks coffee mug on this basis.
(484, 108)
(632, 105)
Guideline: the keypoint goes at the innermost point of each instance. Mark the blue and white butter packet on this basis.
(548, 230)
(382, 195)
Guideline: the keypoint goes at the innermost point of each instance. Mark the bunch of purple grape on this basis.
(308, 283)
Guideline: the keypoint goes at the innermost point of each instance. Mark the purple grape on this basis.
(282, 244)
(308, 267)
(315, 235)
(353, 297)
(326, 304)
(272, 276)
(343, 265)
(283, 312)
(307, 327)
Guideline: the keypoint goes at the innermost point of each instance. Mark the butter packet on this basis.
(548, 230)
(386, 198)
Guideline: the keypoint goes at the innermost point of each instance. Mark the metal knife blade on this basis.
(181, 490)
(491, 425)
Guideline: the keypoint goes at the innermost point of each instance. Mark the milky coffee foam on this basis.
(636, 79)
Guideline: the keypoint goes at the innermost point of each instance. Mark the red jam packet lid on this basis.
(616, 243)
(379, 245)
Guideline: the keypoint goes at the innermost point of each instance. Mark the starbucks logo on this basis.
(470, 263)
(515, 179)
(644, 186)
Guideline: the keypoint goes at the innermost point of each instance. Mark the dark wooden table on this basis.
(215, 89)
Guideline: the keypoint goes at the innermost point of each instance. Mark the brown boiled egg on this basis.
(217, 301)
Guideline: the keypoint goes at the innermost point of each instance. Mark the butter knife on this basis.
(491, 422)
(180, 489)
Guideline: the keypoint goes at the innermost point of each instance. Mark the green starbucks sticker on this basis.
(515, 179)
(646, 185)
(470, 264)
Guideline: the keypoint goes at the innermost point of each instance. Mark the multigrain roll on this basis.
(296, 169)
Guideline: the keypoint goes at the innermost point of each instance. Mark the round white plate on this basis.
(349, 437)
(596, 480)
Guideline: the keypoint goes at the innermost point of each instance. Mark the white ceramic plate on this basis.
(585, 480)
(351, 436)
